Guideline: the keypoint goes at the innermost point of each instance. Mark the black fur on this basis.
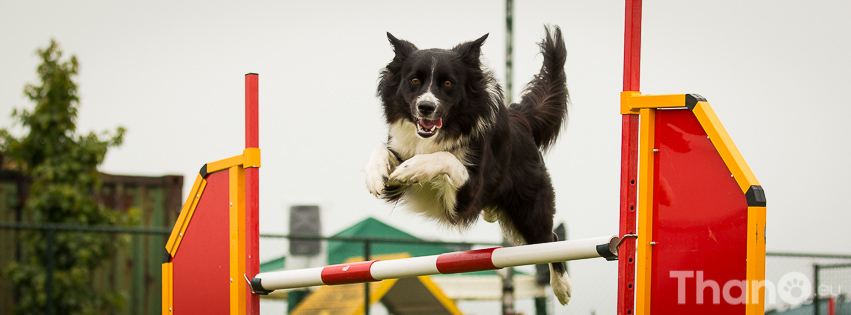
(467, 100)
(499, 145)
(544, 99)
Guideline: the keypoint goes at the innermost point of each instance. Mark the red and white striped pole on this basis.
(448, 263)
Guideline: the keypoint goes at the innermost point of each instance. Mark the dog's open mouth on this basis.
(428, 127)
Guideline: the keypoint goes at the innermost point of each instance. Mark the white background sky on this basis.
(775, 72)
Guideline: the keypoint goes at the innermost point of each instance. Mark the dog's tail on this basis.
(544, 100)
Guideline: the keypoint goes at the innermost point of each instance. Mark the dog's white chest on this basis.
(405, 142)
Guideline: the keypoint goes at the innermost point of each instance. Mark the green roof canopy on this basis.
(340, 251)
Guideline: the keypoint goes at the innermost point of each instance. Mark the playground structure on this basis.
(691, 210)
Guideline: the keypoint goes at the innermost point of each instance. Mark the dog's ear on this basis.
(402, 47)
(471, 51)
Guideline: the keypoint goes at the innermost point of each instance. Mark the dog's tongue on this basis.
(428, 123)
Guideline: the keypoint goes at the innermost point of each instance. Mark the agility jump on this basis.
(449, 263)
(689, 202)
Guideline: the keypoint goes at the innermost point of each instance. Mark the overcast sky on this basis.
(171, 72)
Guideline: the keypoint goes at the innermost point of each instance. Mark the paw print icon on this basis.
(794, 288)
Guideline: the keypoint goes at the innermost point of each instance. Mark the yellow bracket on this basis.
(632, 102)
(250, 158)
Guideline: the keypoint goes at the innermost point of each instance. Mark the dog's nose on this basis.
(426, 107)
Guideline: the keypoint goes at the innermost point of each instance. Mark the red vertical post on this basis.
(252, 190)
(632, 46)
(252, 134)
(629, 161)
(629, 171)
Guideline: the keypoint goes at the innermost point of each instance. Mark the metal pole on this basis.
(816, 310)
(366, 254)
(508, 289)
(508, 279)
(51, 245)
(509, 49)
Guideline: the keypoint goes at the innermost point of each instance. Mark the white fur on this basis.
(431, 77)
(561, 284)
(562, 287)
(490, 214)
(496, 96)
(429, 202)
(405, 141)
(428, 97)
(484, 125)
(433, 170)
(381, 162)
(441, 172)
(497, 100)
(424, 168)
(509, 232)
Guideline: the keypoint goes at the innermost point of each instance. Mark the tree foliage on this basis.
(62, 167)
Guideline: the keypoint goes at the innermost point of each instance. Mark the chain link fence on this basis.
(817, 284)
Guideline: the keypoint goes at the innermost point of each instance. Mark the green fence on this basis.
(134, 272)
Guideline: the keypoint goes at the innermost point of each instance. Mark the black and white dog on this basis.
(455, 150)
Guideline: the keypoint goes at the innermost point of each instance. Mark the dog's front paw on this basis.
(409, 172)
(377, 171)
(375, 183)
(424, 168)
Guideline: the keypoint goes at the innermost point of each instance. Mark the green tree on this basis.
(62, 167)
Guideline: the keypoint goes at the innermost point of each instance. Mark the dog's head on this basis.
(434, 88)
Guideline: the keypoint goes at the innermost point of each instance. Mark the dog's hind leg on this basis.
(559, 280)
(530, 221)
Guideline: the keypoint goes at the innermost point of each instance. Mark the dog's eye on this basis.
(447, 83)
(415, 81)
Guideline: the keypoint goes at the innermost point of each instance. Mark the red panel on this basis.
(699, 222)
(629, 170)
(348, 273)
(466, 261)
(201, 264)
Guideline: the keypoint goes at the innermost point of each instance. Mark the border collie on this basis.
(455, 150)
